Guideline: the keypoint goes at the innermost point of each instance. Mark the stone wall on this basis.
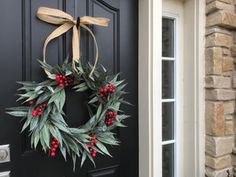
(220, 82)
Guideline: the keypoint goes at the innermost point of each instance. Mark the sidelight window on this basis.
(169, 102)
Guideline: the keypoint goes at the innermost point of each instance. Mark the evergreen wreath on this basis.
(42, 111)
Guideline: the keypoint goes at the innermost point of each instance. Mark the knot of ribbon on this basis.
(66, 22)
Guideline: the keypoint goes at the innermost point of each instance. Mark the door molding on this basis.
(150, 116)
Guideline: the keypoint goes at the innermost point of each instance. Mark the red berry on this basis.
(31, 102)
(44, 104)
(57, 77)
(113, 121)
(34, 113)
(104, 89)
(101, 95)
(40, 113)
(60, 76)
(53, 154)
(55, 146)
(64, 77)
(60, 85)
(114, 114)
(54, 149)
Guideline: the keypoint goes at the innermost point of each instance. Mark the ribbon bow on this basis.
(58, 17)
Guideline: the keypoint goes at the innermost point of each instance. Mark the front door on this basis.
(21, 39)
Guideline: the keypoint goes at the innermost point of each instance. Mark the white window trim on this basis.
(150, 123)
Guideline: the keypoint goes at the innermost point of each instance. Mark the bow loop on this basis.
(66, 22)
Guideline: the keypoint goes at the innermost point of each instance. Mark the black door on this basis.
(21, 39)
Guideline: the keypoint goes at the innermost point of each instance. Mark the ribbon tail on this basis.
(57, 32)
(96, 47)
(75, 45)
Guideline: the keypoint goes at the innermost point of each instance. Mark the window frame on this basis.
(177, 91)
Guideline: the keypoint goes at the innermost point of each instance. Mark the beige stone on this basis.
(234, 82)
(219, 40)
(229, 128)
(228, 64)
(217, 82)
(233, 50)
(229, 107)
(219, 146)
(213, 60)
(218, 162)
(229, 117)
(227, 172)
(217, 5)
(233, 158)
(214, 118)
(220, 94)
(226, 51)
(217, 29)
(225, 1)
(222, 18)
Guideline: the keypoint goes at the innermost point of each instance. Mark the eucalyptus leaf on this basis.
(17, 113)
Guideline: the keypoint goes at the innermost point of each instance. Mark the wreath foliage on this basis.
(42, 111)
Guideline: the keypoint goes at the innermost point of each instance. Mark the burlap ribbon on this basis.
(58, 17)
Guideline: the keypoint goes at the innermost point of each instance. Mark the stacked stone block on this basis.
(220, 88)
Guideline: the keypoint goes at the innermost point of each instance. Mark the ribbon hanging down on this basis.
(66, 22)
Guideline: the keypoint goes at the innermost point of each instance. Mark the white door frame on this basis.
(150, 116)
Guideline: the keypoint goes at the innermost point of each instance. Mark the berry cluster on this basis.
(110, 118)
(54, 144)
(38, 111)
(107, 90)
(91, 144)
(64, 80)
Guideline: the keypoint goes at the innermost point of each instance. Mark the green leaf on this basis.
(33, 123)
(103, 148)
(99, 110)
(82, 89)
(118, 124)
(91, 159)
(17, 113)
(45, 135)
(36, 138)
(20, 108)
(93, 100)
(60, 101)
(83, 159)
(43, 98)
(26, 124)
(63, 152)
(62, 127)
(56, 133)
(73, 155)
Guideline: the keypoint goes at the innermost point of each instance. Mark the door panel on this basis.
(22, 36)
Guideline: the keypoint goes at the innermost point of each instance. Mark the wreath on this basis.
(42, 103)
(44, 116)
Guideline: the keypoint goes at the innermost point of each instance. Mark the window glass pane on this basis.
(168, 160)
(167, 79)
(167, 37)
(167, 121)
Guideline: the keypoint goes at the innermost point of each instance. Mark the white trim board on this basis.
(150, 152)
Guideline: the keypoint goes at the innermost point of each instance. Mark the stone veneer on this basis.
(220, 83)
